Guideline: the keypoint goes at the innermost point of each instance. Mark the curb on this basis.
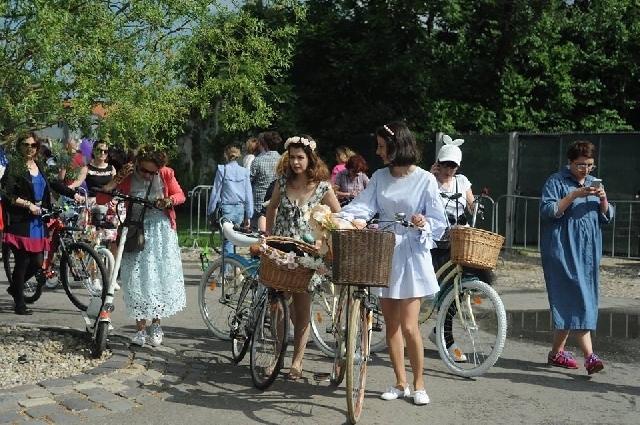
(132, 377)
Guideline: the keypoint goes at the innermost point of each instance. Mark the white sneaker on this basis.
(420, 397)
(116, 287)
(156, 335)
(453, 350)
(95, 287)
(140, 338)
(393, 393)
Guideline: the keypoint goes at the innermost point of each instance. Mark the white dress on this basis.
(412, 274)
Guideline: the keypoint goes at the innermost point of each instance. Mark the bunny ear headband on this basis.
(446, 139)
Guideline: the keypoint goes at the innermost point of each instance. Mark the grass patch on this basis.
(190, 237)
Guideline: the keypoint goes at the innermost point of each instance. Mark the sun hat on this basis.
(450, 150)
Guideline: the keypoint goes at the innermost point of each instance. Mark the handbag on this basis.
(214, 218)
(135, 241)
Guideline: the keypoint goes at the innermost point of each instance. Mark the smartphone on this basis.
(596, 183)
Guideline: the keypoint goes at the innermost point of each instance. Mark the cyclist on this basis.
(403, 187)
(457, 199)
(304, 185)
(25, 193)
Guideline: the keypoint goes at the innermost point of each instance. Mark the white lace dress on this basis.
(153, 280)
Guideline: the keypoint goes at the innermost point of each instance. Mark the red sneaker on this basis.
(593, 364)
(562, 359)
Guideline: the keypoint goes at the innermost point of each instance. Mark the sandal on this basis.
(294, 374)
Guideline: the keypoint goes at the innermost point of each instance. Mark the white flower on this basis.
(300, 140)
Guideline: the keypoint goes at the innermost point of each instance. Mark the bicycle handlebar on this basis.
(237, 236)
(115, 193)
(399, 219)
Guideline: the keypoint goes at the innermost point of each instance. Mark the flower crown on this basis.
(300, 140)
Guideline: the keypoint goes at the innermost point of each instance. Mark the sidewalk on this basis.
(191, 378)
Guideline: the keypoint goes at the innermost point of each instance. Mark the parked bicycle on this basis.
(82, 273)
(470, 312)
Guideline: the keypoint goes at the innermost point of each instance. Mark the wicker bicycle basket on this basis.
(362, 256)
(474, 247)
(280, 276)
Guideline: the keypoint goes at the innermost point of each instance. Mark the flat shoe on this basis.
(393, 393)
(420, 397)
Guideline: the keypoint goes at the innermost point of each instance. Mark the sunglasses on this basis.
(30, 145)
(143, 170)
(448, 164)
(102, 150)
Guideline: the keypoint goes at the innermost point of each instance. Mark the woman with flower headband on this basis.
(403, 187)
(304, 184)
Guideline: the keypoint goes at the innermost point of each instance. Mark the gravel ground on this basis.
(29, 355)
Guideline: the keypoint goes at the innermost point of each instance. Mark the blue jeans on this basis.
(235, 213)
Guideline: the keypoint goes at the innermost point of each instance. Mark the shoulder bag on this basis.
(216, 215)
(135, 241)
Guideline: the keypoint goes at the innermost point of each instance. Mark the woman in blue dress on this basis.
(403, 187)
(573, 209)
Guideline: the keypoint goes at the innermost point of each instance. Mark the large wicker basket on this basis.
(475, 247)
(362, 257)
(281, 277)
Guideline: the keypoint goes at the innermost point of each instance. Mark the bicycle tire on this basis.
(482, 344)
(268, 348)
(240, 321)
(32, 290)
(323, 308)
(99, 339)
(356, 362)
(340, 334)
(218, 294)
(85, 273)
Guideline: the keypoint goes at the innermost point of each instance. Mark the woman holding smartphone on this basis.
(574, 206)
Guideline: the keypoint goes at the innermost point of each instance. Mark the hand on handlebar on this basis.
(163, 203)
(418, 220)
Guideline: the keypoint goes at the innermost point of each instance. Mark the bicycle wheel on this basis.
(83, 274)
(240, 332)
(99, 339)
(356, 363)
(339, 329)
(32, 288)
(324, 304)
(269, 340)
(479, 329)
(218, 293)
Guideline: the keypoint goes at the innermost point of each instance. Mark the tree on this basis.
(234, 64)
(120, 54)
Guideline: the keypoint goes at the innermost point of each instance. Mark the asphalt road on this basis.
(520, 388)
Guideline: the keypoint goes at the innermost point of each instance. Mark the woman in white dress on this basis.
(403, 187)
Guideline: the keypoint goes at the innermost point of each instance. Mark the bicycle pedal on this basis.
(329, 330)
(321, 377)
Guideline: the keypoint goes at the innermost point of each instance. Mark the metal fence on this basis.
(198, 202)
(517, 217)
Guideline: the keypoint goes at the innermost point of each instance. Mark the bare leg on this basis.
(301, 321)
(559, 340)
(392, 313)
(411, 333)
(584, 340)
(141, 324)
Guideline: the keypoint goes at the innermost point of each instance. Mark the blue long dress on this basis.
(571, 250)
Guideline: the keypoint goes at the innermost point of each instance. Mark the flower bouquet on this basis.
(322, 221)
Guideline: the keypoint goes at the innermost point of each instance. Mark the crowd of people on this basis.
(270, 191)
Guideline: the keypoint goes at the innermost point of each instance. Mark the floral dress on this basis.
(292, 219)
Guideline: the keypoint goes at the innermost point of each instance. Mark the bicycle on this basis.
(259, 316)
(353, 325)
(481, 328)
(82, 273)
(98, 316)
(221, 283)
(324, 306)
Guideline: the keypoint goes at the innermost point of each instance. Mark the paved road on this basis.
(192, 380)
